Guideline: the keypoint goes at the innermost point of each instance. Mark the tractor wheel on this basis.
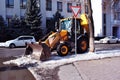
(62, 49)
(82, 45)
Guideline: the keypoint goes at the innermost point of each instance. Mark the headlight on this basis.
(7, 43)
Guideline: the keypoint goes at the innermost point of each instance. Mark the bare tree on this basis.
(91, 27)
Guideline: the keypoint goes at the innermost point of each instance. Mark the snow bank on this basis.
(34, 65)
(57, 61)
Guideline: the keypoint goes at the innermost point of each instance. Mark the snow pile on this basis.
(58, 61)
(22, 61)
(34, 66)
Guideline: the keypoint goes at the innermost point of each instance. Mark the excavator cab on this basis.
(68, 24)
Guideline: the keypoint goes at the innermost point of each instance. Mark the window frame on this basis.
(10, 4)
(68, 7)
(22, 5)
(59, 6)
(116, 8)
(49, 5)
(9, 19)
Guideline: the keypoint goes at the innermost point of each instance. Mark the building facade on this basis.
(49, 8)
(111, 18)
(10, 8)
(104, 22)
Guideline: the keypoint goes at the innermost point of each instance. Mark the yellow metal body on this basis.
(54, 38)
(84, 22)
(62, 35)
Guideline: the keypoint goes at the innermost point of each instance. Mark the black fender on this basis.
(83, 36)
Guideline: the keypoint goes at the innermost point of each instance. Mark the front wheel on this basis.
(82, 45)
(62, 49)
(108, 42)
(12, 45)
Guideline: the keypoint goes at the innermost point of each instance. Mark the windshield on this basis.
(66, 25)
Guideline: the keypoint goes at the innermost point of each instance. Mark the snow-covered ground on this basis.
(55, 61)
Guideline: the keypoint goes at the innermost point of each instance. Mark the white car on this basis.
(19, 41)
(109, 39)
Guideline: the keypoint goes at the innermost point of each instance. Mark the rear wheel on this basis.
(82, 45)
(12, 45)
(62, 49)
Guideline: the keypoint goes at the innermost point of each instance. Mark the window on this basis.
(59, 6)
(9, 19)
(9, 3)
(117, 16)
(78, 4)
(104, 18)
(116, 8)
(68, 7)
(27, 38)
(104, 30)
(23, 3)
(49, 5)
(86, 9)
(21, 38)
(50, 24)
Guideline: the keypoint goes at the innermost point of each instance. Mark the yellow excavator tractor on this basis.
(63, 40)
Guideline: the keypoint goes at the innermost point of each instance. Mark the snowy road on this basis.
(6, 52)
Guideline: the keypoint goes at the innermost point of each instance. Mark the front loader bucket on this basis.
(38, 51)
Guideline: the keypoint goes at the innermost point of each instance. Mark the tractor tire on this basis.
(63, 49)
(82, 45)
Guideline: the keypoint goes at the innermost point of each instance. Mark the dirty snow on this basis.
(58, 61)
(55, 61)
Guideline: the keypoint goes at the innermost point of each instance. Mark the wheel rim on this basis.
(12, 46)
(64, 49)
(83, 45)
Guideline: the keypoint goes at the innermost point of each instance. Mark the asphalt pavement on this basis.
(68, 68)
(104, 69)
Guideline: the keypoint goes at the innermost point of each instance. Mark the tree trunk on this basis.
(91, 28)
